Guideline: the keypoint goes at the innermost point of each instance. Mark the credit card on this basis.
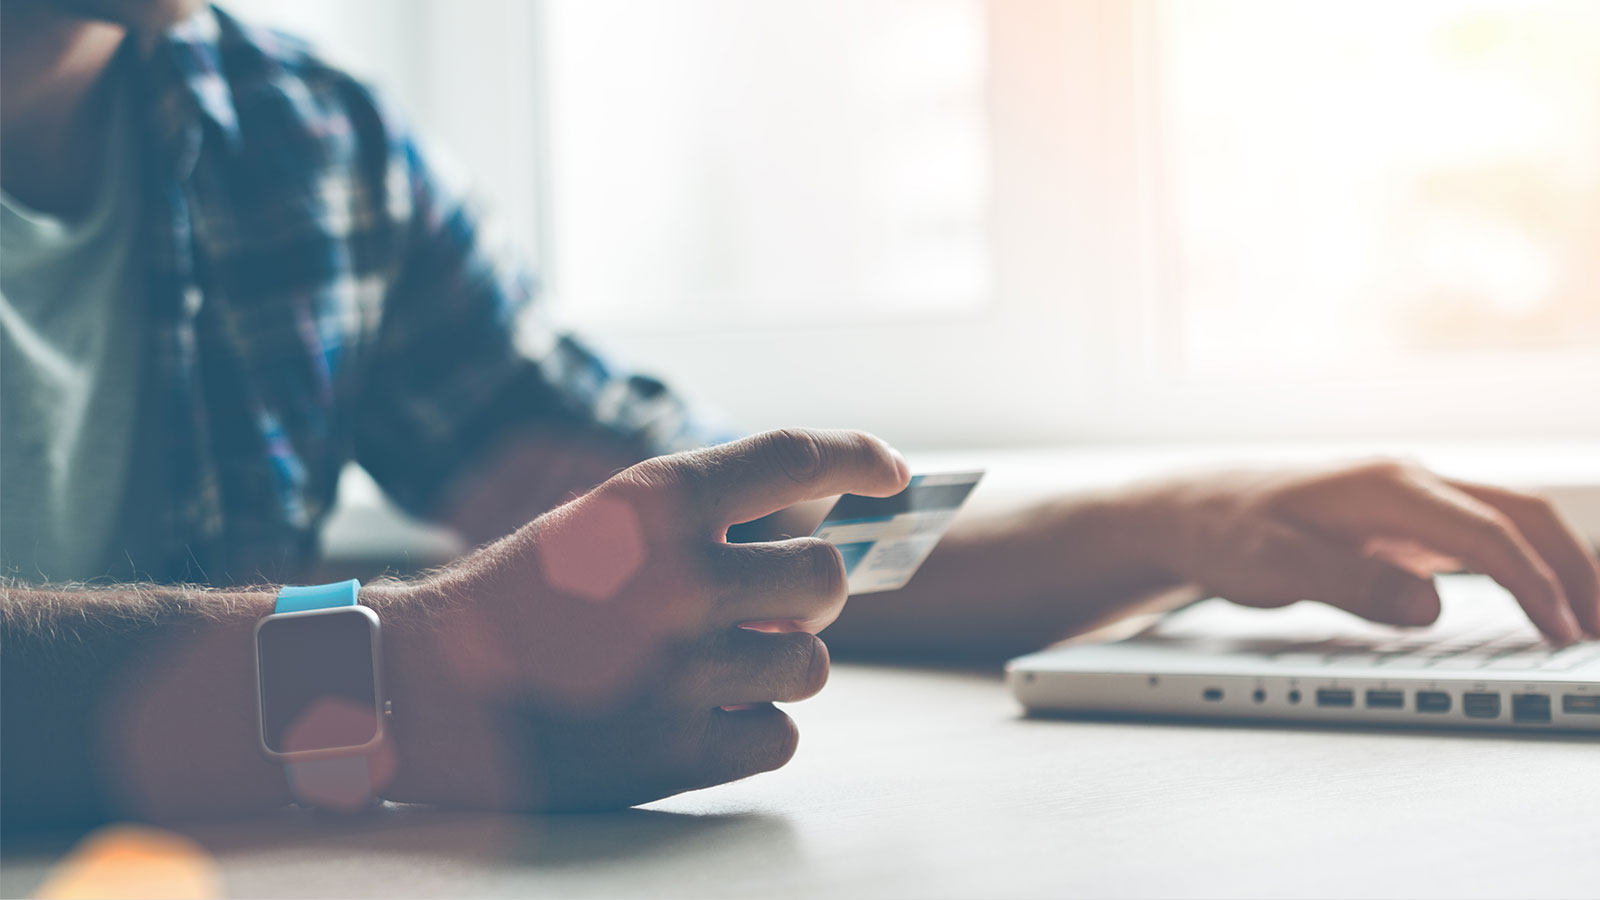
(885, 539)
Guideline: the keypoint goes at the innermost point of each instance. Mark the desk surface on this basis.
(927, 783)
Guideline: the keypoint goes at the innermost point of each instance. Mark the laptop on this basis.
(1482, 665)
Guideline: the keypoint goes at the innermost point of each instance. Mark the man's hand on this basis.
(596, 658)
(1366, 537)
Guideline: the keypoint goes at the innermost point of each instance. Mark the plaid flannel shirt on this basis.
(316, 295)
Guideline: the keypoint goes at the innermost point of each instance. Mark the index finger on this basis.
(763, 473)
(1554, 537)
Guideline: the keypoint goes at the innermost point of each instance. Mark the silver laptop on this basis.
(1482, 665)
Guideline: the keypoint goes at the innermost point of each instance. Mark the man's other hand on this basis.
(602, 655)
(1366, 537)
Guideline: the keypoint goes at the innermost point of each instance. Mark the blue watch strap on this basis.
(301, 597)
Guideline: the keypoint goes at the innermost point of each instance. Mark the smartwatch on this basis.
(320, 693)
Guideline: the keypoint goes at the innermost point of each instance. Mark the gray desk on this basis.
(918, 783)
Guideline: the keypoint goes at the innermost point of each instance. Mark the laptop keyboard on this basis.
(1482, 631)
(1488, 649)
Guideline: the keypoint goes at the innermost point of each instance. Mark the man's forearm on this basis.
(1011, 579)
(133, 701)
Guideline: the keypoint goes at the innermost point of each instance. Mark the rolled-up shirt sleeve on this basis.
(464, 355)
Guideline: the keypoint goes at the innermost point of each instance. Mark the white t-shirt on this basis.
(71, 354)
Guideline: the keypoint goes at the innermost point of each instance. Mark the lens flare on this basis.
(134, 861)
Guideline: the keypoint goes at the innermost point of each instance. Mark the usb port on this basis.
(1212, 693)
(1481, 706)
(1582, 704)
(1386, 699)
(1335, 697)
(1530, 707)
(1433, 701)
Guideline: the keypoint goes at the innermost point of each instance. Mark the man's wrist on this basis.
(1147, 528)
(405, 610)
(1127, 534)
(183, 720)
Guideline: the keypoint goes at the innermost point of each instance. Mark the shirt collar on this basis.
(187, 83)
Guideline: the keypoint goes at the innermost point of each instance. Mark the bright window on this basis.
(961, 222)
(1355, 183)
(722, 161)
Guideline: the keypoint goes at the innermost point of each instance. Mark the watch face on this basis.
(318, 683)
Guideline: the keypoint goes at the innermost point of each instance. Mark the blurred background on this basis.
(960, 222)
(1069, 223)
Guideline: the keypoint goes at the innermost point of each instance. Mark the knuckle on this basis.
(662, 486)
(869, 448)
(1494, 527)
(1387, 468)
(1536, 504)
(650, 474)
(797, 453)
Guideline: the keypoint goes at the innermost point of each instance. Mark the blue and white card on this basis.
(885, 539)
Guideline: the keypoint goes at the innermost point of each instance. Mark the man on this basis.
(228, 270)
